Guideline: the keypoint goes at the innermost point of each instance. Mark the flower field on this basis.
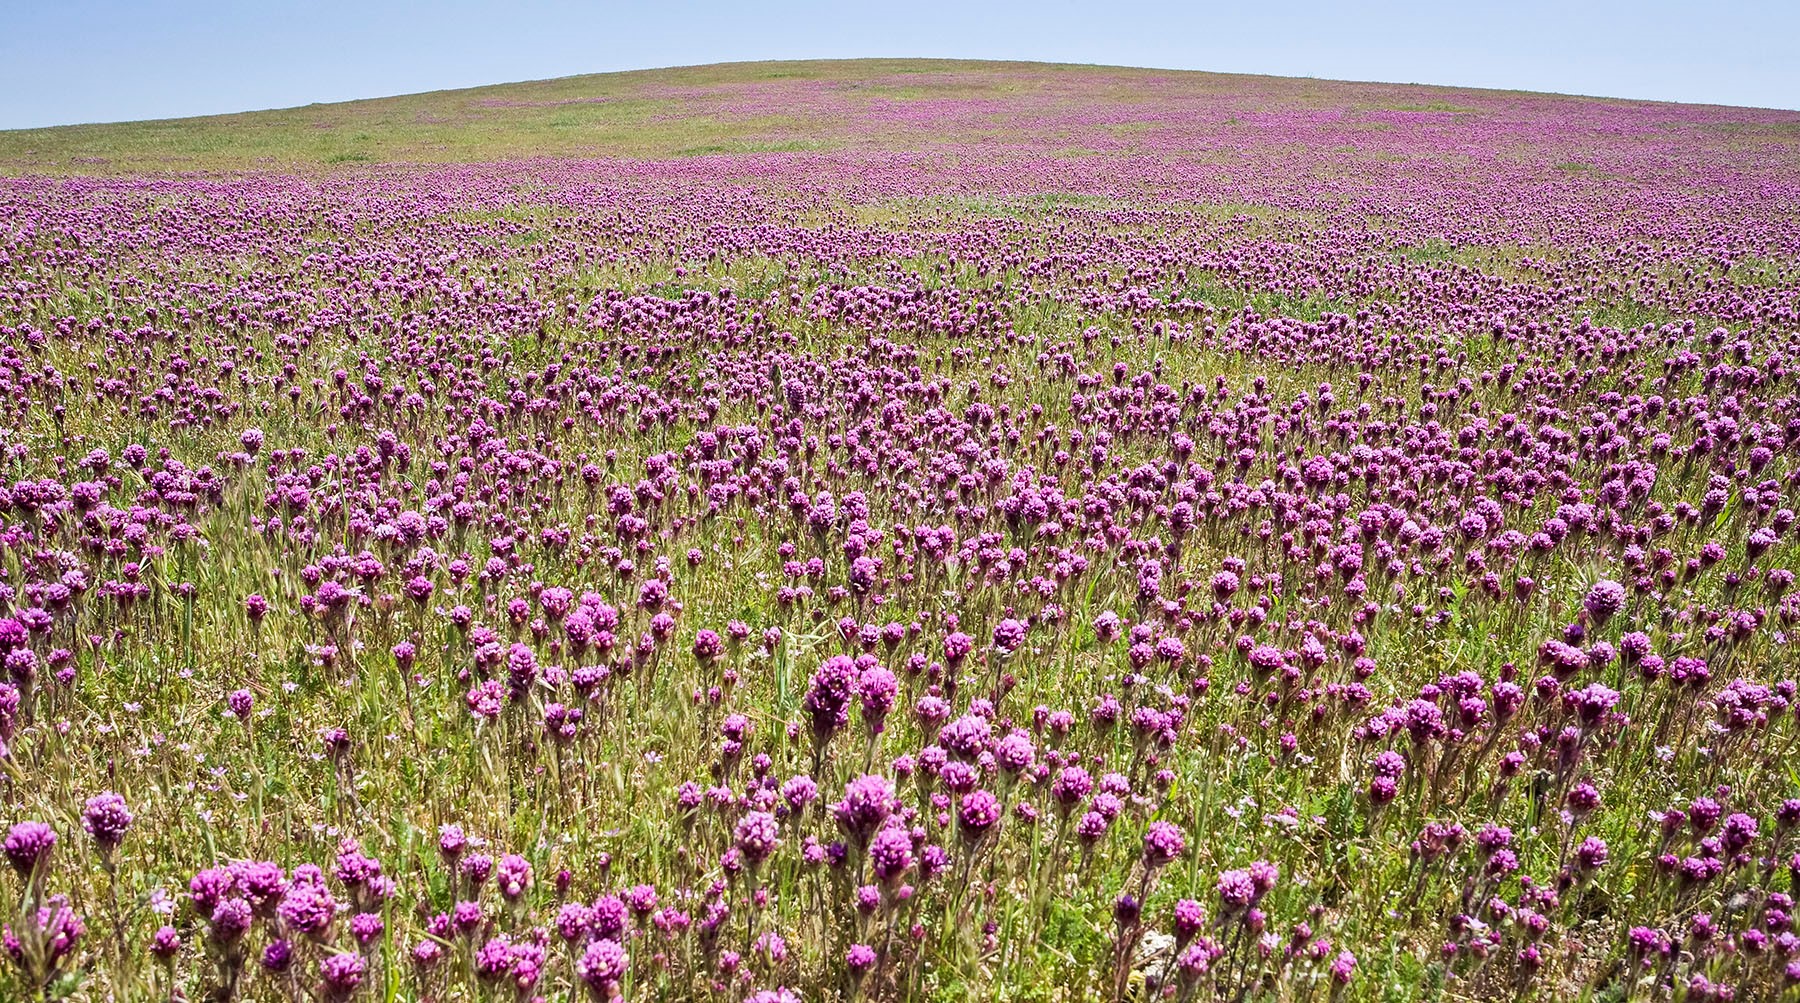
(975, 533)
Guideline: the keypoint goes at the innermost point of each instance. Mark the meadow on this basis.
(902, 531)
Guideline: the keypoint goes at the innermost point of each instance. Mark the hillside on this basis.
(903, 532)
(898, 104)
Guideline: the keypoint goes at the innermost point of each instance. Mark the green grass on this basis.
(731, 108)
(639, 114)
(1431, 106)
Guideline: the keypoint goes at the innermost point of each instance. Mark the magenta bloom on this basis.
(756, 836)
(957, 646)
(891, 853)
(602, 967)
(28, 846)
(513, 876)
(106, 818)
(1603, 600)
(980, 812)
(1163, 843)
(165, 943)
(1009, 636)
(241, 702)
(307, 907)
(868, 801)
(340, 975)
(1236, 890)
(708, 645)
(486, 699)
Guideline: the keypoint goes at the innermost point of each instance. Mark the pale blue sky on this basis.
(64, 61)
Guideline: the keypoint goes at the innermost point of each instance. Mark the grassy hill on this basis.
(727, 108)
